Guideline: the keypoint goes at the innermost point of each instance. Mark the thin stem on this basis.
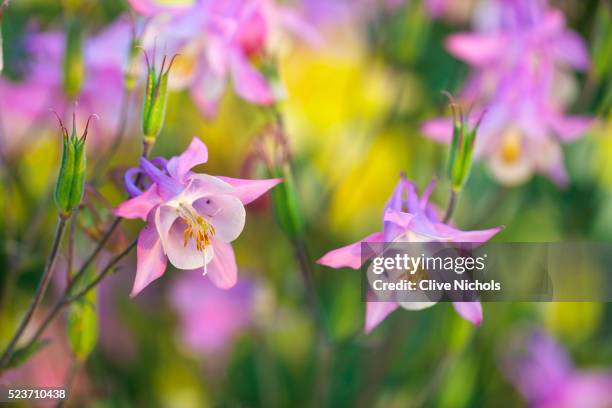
(452, 203)
(70, 257)
(67, 298)
(40, 291)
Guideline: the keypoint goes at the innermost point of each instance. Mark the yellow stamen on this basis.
(511, 146)
(198, 229)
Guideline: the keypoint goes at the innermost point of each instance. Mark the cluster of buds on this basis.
(461, 148)
(71, 179)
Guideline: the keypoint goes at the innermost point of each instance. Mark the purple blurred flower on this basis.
(219, 40)
(25, 104)
(191, 218)
(209, 317)
(521, 59)
(542, 372)
(408, 218)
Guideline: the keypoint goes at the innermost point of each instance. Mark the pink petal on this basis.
(222, 269)
(151, 261)
(376, 312)
(139, 206)
(248, 191)
(571, 48)
(470, 311)
(196, 153)
(350, 255)
(249, 83)
(439, 130)
(171, 232)
(207, 91)
(225, 212)
(570, 128)
(477, 49)
(300, 27)
(447, 233)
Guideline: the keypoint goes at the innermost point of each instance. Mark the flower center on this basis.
(198, 229)
(511, 146)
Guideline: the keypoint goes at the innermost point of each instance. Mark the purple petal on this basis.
(196, 154)
(350, 255)
(571, 49)
(167, 187)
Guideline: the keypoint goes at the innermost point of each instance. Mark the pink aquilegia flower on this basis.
(25, 104)
(408, 218)
(191, 218)
(209, 317)
(544, 375)
(221, 40)
(521, 61)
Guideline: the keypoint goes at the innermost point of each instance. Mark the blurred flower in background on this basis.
(211, 318)
(222, 40)
(97, 89)
(521, 57)
(543, 373)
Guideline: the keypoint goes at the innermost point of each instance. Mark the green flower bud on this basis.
(155, 101)
(71, 179)
(74, 66)
(461, 148)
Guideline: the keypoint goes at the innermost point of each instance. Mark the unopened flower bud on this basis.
(461, 148)
(155, 101)
(74, 67)
(71, 179)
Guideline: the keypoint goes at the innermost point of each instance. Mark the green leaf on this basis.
(23, 354)
(82, 326)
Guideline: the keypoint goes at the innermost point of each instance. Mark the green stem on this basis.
(452, 203)
(40, 292)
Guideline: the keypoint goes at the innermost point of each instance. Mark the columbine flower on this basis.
(210, 318)
(520, 73)
(219, 40)
(27, 102)
(408, 218)
(543, 373)
(191, 218)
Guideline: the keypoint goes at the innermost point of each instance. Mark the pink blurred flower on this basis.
(521, 59)
(219, 40)
(209, 317)
(408, 218)
(191, 218)
(25, 104)
(543, 373)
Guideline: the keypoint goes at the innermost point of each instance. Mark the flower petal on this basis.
(167, 186)
(350, 255)
(249, 83)
(171, 231)
(439, 129)
(470, 311)
(225, 212)
(139, 206)
(151, 261)
(376, 312)
(248, 191)
(196, 153)
(477, 49)
(222, 269)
